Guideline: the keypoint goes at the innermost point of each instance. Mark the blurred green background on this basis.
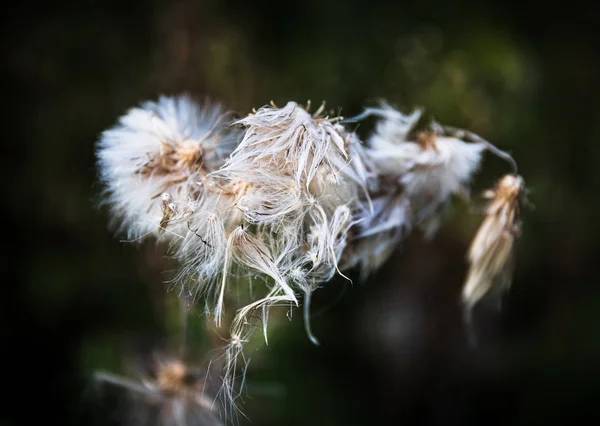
(393, 350)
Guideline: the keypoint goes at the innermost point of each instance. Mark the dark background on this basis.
(393, 351)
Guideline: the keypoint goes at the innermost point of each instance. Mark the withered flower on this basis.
(173, 394)
(491, 252)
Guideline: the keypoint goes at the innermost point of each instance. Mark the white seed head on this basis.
(160, 147)
(410, 179)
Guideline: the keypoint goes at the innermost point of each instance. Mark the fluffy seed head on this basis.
(173, 394)
(413, 174)
(160, 147)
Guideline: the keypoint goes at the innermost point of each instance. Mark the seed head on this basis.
(161, 147)
(491, 252)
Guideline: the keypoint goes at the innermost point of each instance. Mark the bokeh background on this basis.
(393, 351)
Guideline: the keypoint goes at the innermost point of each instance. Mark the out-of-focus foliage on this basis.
(393, 351)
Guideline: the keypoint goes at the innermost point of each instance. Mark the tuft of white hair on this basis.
(414, 176)
(160, 147)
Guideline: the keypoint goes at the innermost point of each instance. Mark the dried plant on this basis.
(161, 147)
(492, 249)
(172, 394)
(285, 195)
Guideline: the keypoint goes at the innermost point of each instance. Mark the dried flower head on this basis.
(490, 254)
(413, 175)
(172, 394)
(303, 175)
(161, 147)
